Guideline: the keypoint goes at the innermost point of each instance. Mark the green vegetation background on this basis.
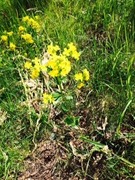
(104, 32)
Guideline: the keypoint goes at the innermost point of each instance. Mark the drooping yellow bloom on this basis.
(10, 33)
(82, 78)
(64, 71)
(86, 74)
(27, 65)
(48, 98)
(78, 77)
(28, 38)
(4, 38)
(12, 46)
(34, 67)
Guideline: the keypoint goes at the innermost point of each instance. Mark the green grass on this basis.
(104, 34)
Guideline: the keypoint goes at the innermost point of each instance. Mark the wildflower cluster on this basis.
(34, 67)
(82, 77)
(32, 23)
(5, 39)
(29, 22)
(71, 51)
(21, 29)
(10, 40)
(12, 46)
(27, 37)
(58, 65)
(48, 98)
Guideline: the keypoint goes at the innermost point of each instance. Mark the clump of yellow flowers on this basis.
(58, 65)
(27, 37)
(24, 32)
(71, 51)
(12, 46)
(82, 77)
(21, 29)
(32, 22)
(4, 38)
(48, 98)
(34, 67)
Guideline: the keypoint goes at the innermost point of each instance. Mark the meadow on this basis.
(67, 80)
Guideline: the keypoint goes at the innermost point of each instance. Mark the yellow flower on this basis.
(72, 47)
(52, 64)
(80, 85)
(52, 50)
(58, 65)
(21, 29)
(37, 64)
(12, 46)
(25, 19)
(72, 51)
(86, 74)
(4, 38)
(35, 73)
(36, 61)
(54, 73)
(28, 38)
(65, 67)
(27, 65)
(48, 98)
(43, 68)
(10, 33)
(34, 24)
(65, 71)
(76, 55)
(78, 77)
(66, 52)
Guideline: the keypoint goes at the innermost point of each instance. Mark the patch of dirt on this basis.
(41, 164)
(44, 164)
(67, 156)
